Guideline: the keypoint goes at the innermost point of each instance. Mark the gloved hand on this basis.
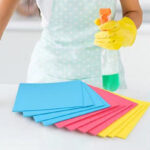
(116, 34)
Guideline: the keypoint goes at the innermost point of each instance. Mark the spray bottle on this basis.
(110, 59)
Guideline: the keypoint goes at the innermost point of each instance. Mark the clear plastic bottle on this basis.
(110, 60)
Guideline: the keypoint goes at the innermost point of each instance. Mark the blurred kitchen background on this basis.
(24, 30)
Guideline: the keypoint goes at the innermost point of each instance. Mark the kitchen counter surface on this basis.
(19, 133)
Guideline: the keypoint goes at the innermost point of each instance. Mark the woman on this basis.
(66, 49)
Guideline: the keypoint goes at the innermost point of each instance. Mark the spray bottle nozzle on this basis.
(104, 15)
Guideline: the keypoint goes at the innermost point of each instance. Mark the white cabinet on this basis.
(15, 51)
(136, 60)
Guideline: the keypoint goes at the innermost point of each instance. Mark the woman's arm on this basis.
(132, 9)
(6, 9)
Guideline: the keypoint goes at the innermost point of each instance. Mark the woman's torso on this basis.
(66, 49)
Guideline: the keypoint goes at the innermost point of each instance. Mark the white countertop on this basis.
(18, 23)
(27, 25)
(19, 133)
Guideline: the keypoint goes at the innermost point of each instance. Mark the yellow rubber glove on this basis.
(116, 34)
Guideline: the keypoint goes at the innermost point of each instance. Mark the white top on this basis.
(45, 8)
